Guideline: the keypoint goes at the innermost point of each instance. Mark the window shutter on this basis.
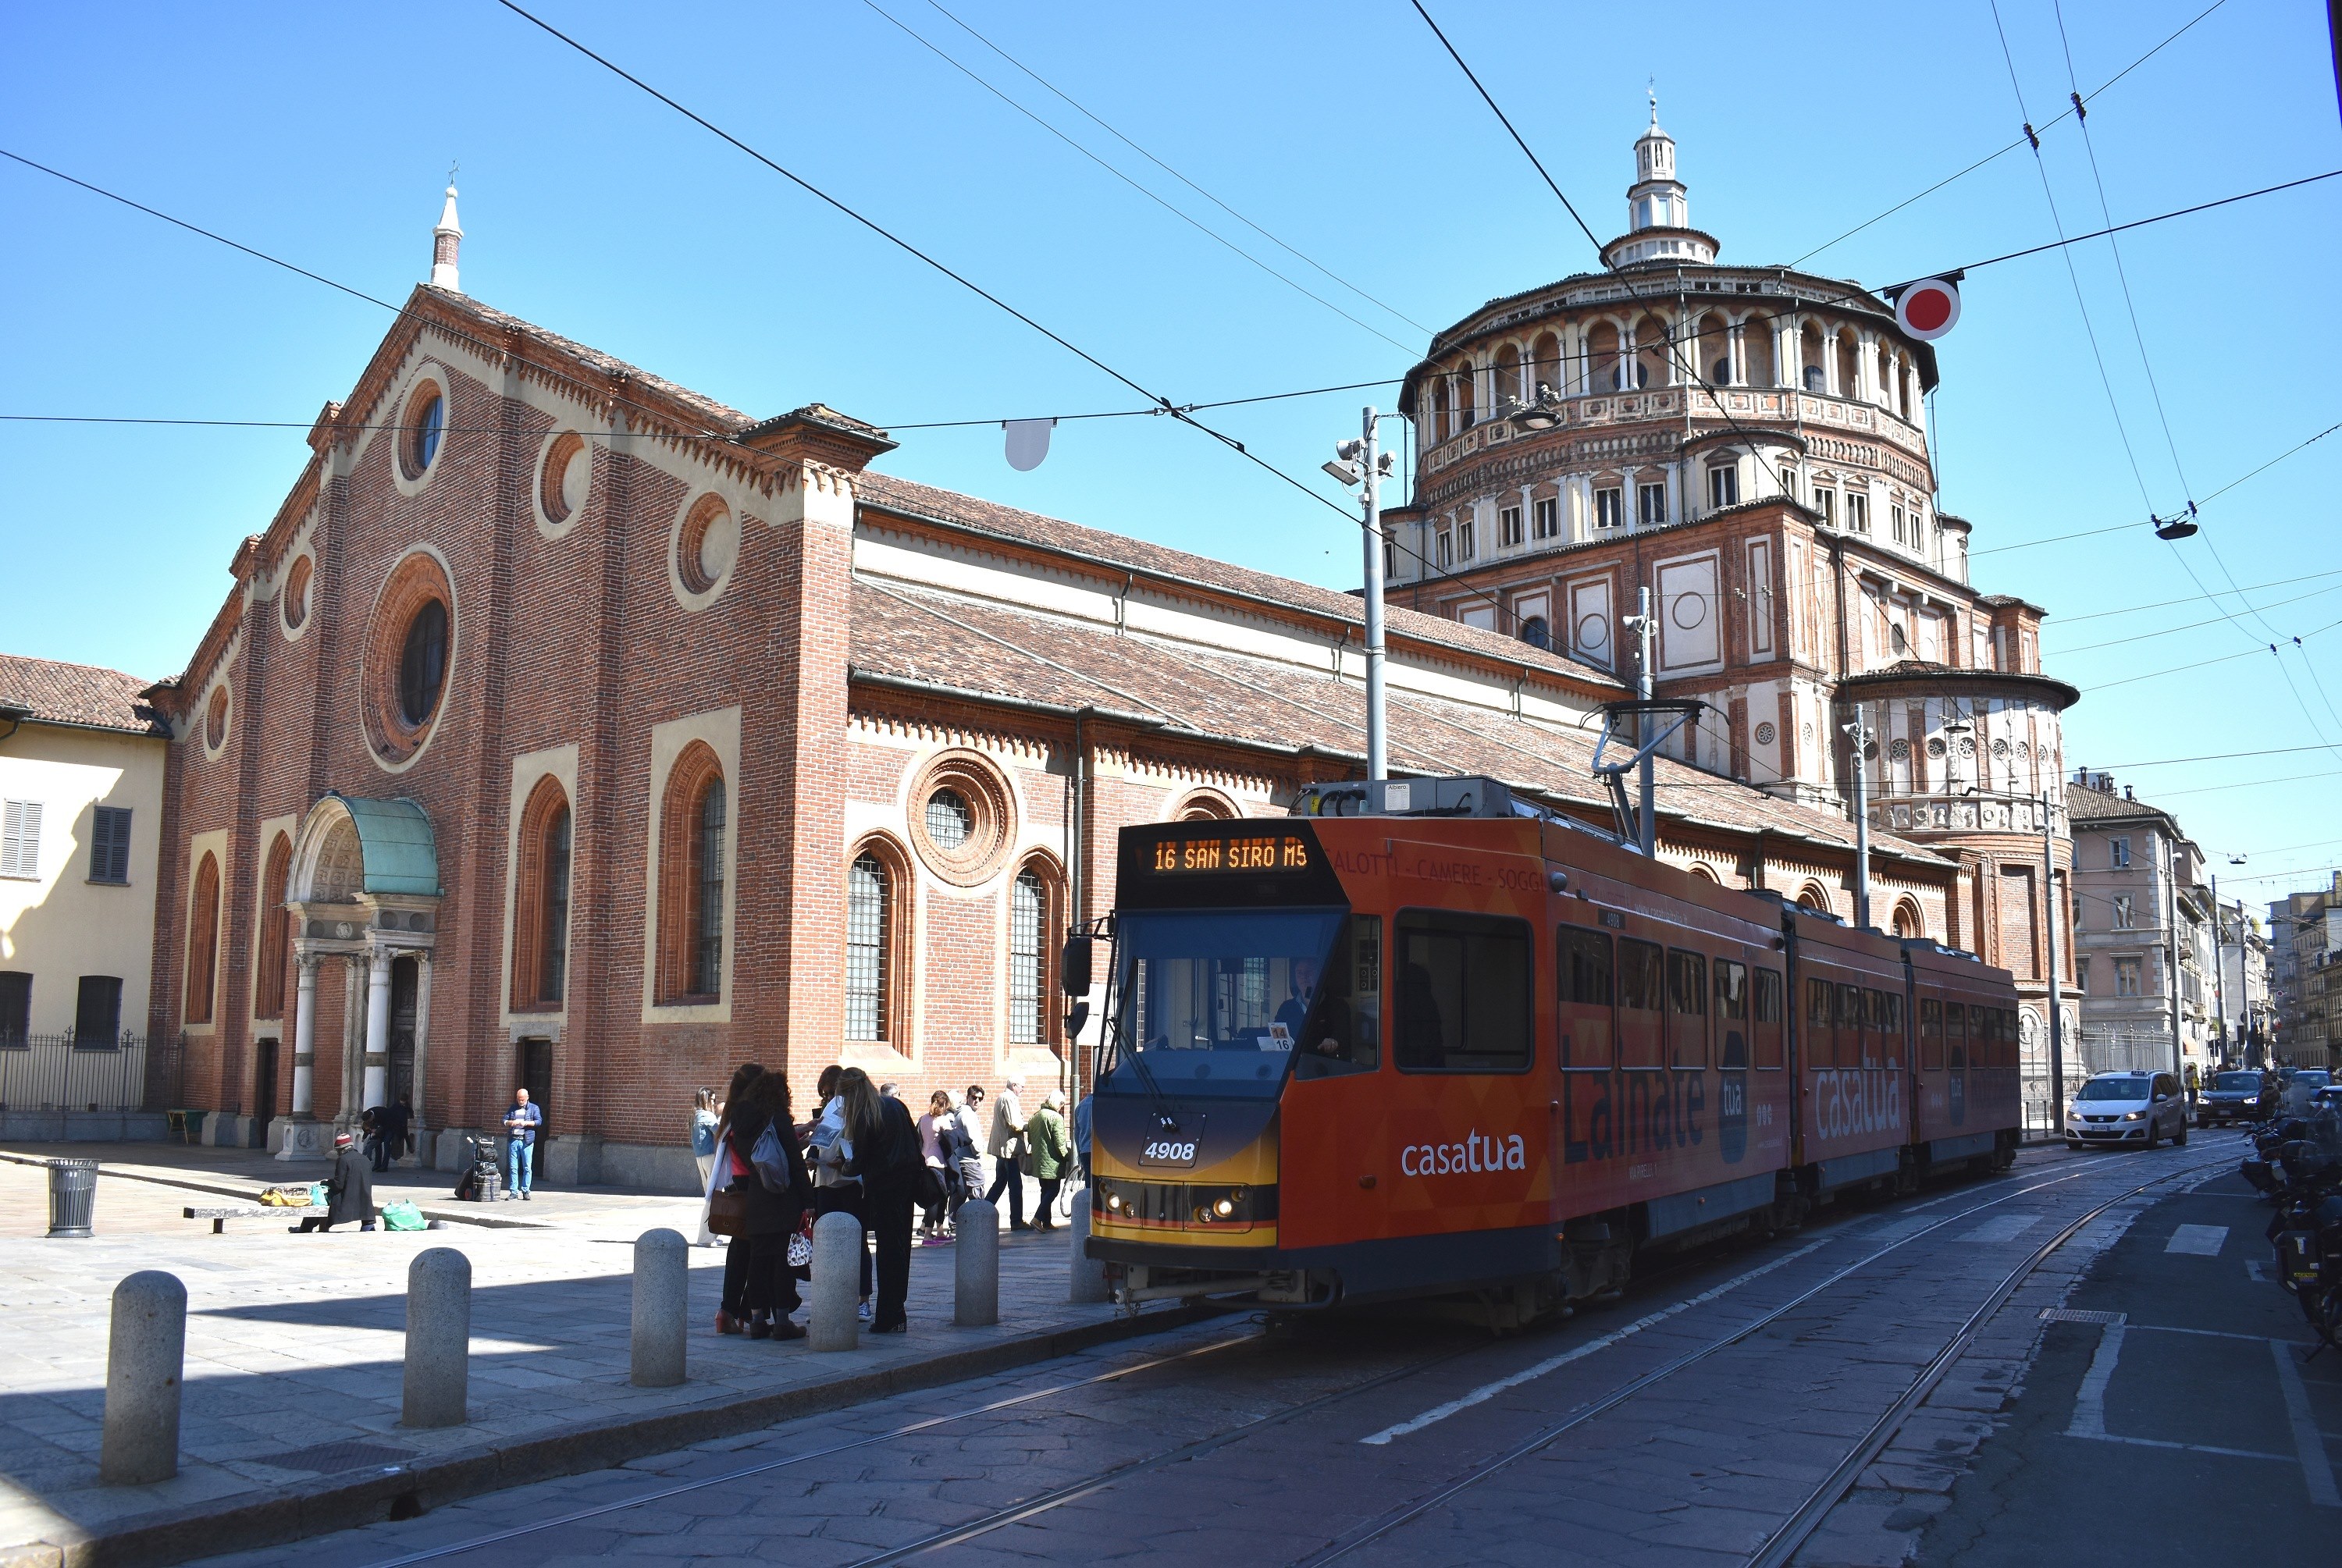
(109, 850)
(20, 838)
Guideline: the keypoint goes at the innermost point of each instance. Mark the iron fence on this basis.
(66, 1072)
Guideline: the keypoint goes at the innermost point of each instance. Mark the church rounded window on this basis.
(565, 479)
(1936, 747)
(215, 716)
(1765, 732)
(410, 654)
(423, 663)
(296, 593)
(420, 430)
(707, 545)
(962, 817)
(1899, 751)
(1537, 631)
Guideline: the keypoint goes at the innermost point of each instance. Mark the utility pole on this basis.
(1363, 463)
(2054, 909)
(1861, 820)
(1645, 630)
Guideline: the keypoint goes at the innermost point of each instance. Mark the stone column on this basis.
(422, 1053)
(305, 1039)
(377, 1028)
(299, 1135)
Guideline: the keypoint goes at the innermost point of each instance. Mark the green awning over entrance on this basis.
(401, 855)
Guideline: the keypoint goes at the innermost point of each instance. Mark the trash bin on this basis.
(73, 1197)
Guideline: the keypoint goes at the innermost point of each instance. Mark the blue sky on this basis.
(324, 135)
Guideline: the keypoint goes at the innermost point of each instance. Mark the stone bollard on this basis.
(438, 1338)
(662, 1303)
(1089, 1285)
(836, 1283)
(144, 1357)
(975, 1266)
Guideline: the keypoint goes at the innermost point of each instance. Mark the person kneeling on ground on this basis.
(349, 1191)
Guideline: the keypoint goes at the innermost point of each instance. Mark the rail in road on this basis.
(1451, 1447)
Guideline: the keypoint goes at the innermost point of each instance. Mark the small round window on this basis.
(567, 474)
(425, 423)
(215, 718)
(949, 820)
(422, 663)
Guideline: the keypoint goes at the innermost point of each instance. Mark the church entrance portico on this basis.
(364, 890)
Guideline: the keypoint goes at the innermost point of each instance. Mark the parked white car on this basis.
(2137, 1109)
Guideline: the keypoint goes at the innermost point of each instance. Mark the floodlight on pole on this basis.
(1359, 463)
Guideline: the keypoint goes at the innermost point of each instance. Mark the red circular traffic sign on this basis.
(1929, 309)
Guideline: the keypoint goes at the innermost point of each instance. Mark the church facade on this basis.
(565, 728)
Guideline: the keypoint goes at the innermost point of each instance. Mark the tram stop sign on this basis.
(1929, 308)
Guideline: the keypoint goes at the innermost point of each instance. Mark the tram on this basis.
(1421, 1039)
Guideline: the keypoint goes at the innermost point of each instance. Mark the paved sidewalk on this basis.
(294, 1362)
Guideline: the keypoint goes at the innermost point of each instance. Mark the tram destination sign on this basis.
(1225, 853)
(1223, 865)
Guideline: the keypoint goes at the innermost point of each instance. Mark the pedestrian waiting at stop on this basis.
(703, 1122)
(934, 1128)
(885, 1160)
(768, 1174)
(732, 1306)
(1048, 1150)
(1006, 1147)
(349, 1191)
(521, 1123)
(966, 1152)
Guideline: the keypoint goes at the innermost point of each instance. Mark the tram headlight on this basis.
(1114, 1202)
(1225, 1207)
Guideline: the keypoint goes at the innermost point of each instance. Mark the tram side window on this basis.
(1980, 1034)
(1731, 1014)
(1956, 1035)
(1686, 1009)
(2006, 1056)
(1931, 1034)
(1641, 1040)
(1342, 1033)
(1767, 1009)
(1582, 973)
(1467, 1001)
(1892, 1036)
(1851, 1049)
(1821, 1026)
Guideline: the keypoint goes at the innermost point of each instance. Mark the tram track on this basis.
(1030, 1508)
(1783, 1544)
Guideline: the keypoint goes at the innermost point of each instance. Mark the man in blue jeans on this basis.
(521, 1123)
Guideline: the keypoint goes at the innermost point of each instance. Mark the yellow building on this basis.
(82, 756)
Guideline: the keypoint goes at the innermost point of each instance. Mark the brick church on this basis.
(566, 728)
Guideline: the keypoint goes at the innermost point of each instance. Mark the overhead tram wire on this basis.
(1518, 140)
(929, 45)
(2167, 603)
(1165, 405)
(1083, 110)
(2003, 152)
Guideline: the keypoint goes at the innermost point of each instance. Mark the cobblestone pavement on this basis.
(294, 1342)
(1293, 1446)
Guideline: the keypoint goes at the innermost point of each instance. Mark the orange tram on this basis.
(1420, 1040)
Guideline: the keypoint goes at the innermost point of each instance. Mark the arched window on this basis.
(694, 814)
(1908, 921)
(1653, 354)
(275, 932)
(203, 940)
(423, 663)
(1602, 373)
(869, 947)
(1537, 631)
(1028, 959)
(1756, 353)
(1545, 365)
(1440, 430)
(1815, 897)
(1508, 377)
(1849, 376)
(1466, 403)
(540, 977)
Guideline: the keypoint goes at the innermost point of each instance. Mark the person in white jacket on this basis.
(1006, 1146)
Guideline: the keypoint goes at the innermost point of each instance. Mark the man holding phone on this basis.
(521, 1123)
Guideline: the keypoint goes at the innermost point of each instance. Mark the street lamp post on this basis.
(1363, 464)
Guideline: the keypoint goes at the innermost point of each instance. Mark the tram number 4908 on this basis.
(1166, 1152)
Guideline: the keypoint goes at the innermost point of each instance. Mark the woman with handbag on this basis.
(887, 1162)
(769, 1174)
(935, 1132)
(728, 1210)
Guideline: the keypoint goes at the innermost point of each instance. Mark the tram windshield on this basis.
(1217, 1002)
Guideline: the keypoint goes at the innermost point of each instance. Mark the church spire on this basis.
(1658, 207)
(446, 240)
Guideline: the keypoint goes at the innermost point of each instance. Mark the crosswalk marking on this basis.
(2198, 1240)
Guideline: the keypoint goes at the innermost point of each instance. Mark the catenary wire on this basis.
(2193, 625)
(2003, 152)
(2064, 621)
(1202, 228)
(1518, 140)
(1083, 110)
